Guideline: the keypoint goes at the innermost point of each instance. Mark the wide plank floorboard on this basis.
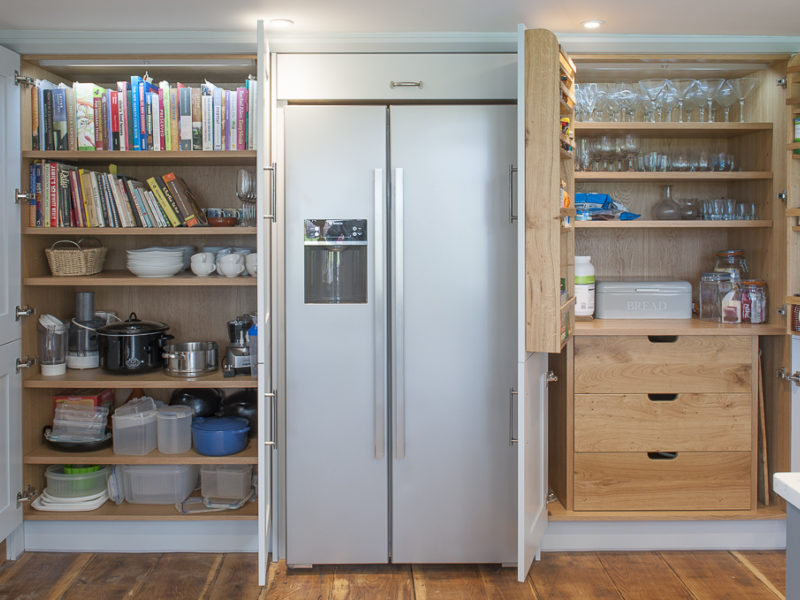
(41, 575)
(572, 576)
(643, 575)
(287, 584)
(237, 578)
(183, 576)
(111, 576)
(367, 582)
(771, 564)
(448, 582)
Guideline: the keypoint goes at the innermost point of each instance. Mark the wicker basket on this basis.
(84, 257)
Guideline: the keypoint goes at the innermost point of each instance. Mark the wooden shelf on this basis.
(142, 512)
(792, 101)
(557, 512)
(794, 146)
(695, 224)
(673, 327)
(44, 455)
(95, 378)
(148, 157)
(793, 212)
(642, 176)
(142, 231)
(793, 300)
(125, 278)
(670, 130)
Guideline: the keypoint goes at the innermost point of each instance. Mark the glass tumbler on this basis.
(709, 296)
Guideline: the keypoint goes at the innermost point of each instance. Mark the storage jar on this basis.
(174, 429)
(230, 482)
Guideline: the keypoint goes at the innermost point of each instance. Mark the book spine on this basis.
(132, 207)
(86, 196)
(176, 208)
(120, 204)
(53, 185)
(188, 216)
(35, 118)
(197, 120)
(112, 219)
(208, 122)
(148, 119)
(155, 119)
(66, 217)
(84, 115)
(130, 113)
(162, 122)
(100, 209)
(60, 133)
(172, 217)
(218, 118)
(135, 113)
(241, 119)
(143, 116)
(157, 209)
(252, 97)
(38, 191)
(44, 183)
(32, 192)
(185, 124)
(122, 100)
(47, 110)
(77, 201)
(137, 198)
(163, 88)
(97, 107)
(72, 133)
(104, 124)
(226, 120)
(107, 141)
(174, 117)
(115, 137)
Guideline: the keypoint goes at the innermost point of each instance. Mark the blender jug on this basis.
(82, 348)
(52, 345)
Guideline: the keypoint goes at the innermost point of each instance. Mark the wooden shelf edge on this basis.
(645, 176)
(43, 455)
(124, 278)
(155, 231)
(667, 128)
(696, 224)
(557, 512)
(794, 146)
(141, 512)
(673, 327)
(94, 378)
(792, 101)
(793, 212)
(143, 157)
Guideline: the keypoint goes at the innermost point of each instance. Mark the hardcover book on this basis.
(186, 199)
(47, 109)
(197, 120)
(84, 114)
(35, 117)
(41, 86)
(169, 212)
(163, 90)
(122, 104)
(137, 113)
(113, 101)
(72, 133)
(60, 126)
(185, 121)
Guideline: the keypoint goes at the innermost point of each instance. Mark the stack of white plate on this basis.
(159, 261)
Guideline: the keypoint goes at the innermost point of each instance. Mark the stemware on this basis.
(625, 97)
(743, 86)
(710, 87)
(725, 97)
(695, 98)
(668, 99)
(682, 86)
(246, 193)
(652, 88)
(588, 99)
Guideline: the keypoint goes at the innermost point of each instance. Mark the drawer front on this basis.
(663, 422)
(650, 364)
(690, 481)
(369, 76)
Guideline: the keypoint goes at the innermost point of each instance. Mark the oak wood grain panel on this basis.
(637, 423)
(237, 578)
(560, 418)
(712, 575)
(635, 364)
(180, 576)
(690, 481)
(111, 575)
(611, 327)
(287, 584)
(643, 575)
(556, 512)
(571, 576)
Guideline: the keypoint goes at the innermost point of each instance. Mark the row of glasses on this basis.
(609, 153)
(724, 209)
(656, 99)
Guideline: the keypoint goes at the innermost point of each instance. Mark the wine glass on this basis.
(726, 96)
(625, 97)
(695, 99)
(710, 87)
(743, 86)
(652, 88)
(246, 193)
(682, 86)
(668, 99)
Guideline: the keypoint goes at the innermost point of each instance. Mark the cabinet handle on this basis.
(511, 216)
(662, 339)
(662, 397)
(274, 192)
(662, 455)
(511, 439)
(273, 414)
(394, 84)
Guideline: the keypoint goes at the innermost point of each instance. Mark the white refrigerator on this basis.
(400, 334)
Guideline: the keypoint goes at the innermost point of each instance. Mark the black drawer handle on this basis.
(662, 455)
(663, 339)
(662, 397)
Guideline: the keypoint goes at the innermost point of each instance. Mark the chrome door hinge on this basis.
(27, 495)
(781, 82)
(25, 363)
(23, 311)
(23, 79)
(550, 377)
(782, 196)
(551, 496)
(23, 197)
(782, 374)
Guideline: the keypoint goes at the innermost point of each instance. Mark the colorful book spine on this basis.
(88, 201)
(52, 178)
(60, 127)
(47, 108)
(155, 119)
(35, 118)
(226, 120)
(171, 200)
(113, 97)
(163, 90)
(185, 121)
(72, 134)
(162, 122)
(208, 122)
(197, 120)
(77, 200)
(42, 85)
(148, 119)
(187, 214)
(136, 112)
(97, 104)
(218, 119)
(122, 104)
(173, 119)
(168, 211)
(32, 192)
(64, 192)
(84, 114)
(241, 118)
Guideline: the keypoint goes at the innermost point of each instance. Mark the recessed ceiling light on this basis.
(281, 22)
(593, 23)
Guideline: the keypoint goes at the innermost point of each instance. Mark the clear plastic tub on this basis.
(80, 421)
(135, 433)
(226, 481)
(64, 485)
(174, 429)
(157, 484)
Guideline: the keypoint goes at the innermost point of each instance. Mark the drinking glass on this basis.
(695, 98)
(668, 99)
(725, 97)
(625, 97)
(710, 87)
(743, 86)
(682, 87)
(652, 88)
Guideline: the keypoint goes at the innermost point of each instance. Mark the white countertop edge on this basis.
(787, 486)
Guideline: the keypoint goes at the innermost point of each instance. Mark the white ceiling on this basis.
(675, 17)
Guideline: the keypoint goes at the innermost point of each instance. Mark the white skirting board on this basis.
(665, 535)
(141, 536)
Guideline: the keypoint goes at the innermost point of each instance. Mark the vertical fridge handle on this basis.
(379, 315)
(398, 327)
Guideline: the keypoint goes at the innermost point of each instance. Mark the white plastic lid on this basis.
(583, 259)
(176, 411)
(145, 404)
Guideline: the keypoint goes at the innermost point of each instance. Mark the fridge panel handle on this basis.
(379, 299)
(398, 329)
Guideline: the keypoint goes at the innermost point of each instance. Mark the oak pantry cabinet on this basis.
(195, 308)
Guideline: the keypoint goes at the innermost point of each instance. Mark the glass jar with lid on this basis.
(730, 299)
(708, 297)
(731, 261)
(754, 301)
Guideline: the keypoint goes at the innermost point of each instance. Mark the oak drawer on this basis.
(689, 481)
(656, 422)
(663, 364)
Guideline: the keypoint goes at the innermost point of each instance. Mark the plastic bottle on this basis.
(584, 286)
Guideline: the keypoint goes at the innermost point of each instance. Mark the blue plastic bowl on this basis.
(220, 436)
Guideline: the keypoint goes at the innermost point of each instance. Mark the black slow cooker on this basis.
(132, 346)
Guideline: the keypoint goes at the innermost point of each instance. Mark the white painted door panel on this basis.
(10, 438)
(454, 334)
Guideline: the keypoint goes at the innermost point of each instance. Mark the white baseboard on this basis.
(141, 536)
(665, 535)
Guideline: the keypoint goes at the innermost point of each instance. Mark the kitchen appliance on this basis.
(82, 347)
(237, 356)
(190, 359)
(132, 346)
(400, 334)
(52, 345)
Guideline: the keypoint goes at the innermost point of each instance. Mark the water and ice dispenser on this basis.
(336, 261)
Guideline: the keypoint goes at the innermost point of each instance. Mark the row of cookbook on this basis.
(139, 115)
(67, 196)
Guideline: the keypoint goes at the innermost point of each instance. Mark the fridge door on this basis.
(454, 310)
(336, 479)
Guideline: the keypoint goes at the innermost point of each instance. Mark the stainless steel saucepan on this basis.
(190, 359)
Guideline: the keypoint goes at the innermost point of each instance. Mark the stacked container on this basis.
(174, 429)
(154, 484)
(135, 428)
(227, 482)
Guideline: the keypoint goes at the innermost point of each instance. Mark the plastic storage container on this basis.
(226, 481)
(75, 485)
(80, 422)
(584, 286)
(174, 429)
(135, 428)
(220, 436)
(156, 484)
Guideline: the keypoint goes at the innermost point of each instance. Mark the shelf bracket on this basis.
(781, 82)
(25, 363)
(23, 79)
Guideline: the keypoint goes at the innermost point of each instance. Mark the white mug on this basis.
(203, 258)
(231, 265)
(251, 262)
(203, 269)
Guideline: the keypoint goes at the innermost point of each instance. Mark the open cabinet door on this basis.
(10, 345)
(531, 379)
(267, 413)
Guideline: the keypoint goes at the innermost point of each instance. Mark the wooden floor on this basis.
(558, 576)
